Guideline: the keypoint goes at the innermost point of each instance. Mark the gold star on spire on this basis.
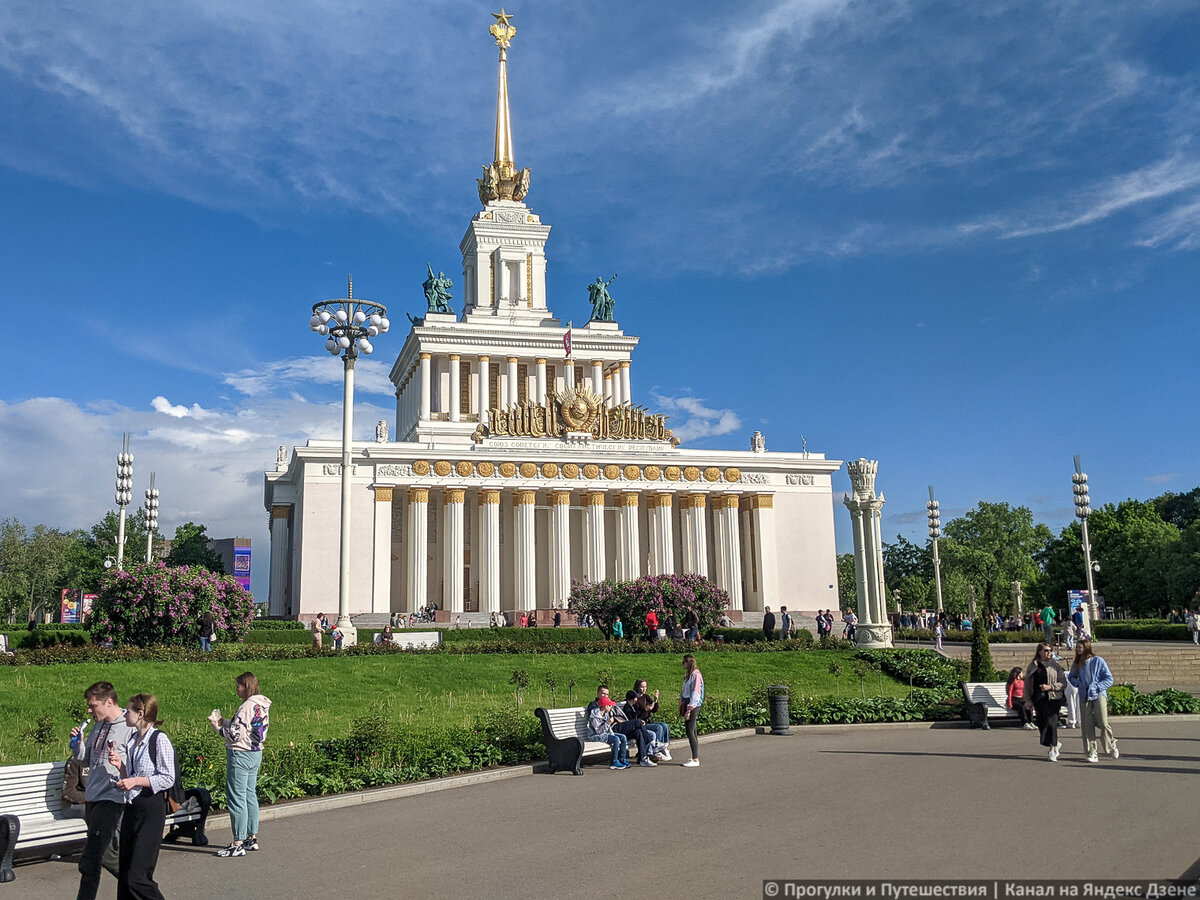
(502, 30)
(502, 17)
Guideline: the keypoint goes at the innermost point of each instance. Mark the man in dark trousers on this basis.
(768, 623)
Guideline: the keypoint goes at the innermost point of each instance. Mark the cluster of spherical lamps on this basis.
(151, 515)
(347, 326)
(934, 511)
(124, 493)
(1083, 509)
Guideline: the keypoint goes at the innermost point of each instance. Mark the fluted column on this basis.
(766, 558)
(593, 536)
(452, 549)
(728, 547)
(525, 564)
(662, 543)
(455, 388)
(626, 390)
(381, 551)
(628, 538)
(277, 596)
(514, 391)
(489, 551)
(695, 535)
(541, 380)
(878, 599)
(481, 402)
(608, 388)
(418, 548)
(426, 386)
(560, 547)
(598, 377)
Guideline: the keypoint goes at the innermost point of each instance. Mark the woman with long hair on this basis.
(244, 736)
(1090, 673)
(691, 698)
(1044, 685)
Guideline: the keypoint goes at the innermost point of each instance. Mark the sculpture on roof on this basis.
(601, 300)
(437, 292)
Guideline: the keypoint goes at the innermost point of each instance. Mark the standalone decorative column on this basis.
(560, 547)
(381, 555)
(728, 547)
(455, 388)
(628, 539)
(662, 543)
(426, 386)
(695, 537)
(593, 536)
(418, 548)
(452, 549)
(489, 551)
(865, 507)
(525, 568)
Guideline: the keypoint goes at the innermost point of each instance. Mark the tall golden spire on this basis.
(501, 180)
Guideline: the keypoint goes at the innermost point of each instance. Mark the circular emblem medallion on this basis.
(591, 470)
(464, 469)
(691, 473)
(570, 470)
(611, 471)
(733, 474)
(652, 473)
(673, 473)
(712, 473)
(507, 469)
(486, 469)
(441, 468)
(632, 473)
(528, 470)
(549, 470)
(421, 467)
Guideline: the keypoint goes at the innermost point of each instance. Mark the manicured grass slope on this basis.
(319, 698)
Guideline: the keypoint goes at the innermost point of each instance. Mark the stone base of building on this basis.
(873, 637)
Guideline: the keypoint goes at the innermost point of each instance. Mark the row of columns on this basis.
(694, 543)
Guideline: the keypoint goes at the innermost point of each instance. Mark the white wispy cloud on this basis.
(697, 420)
(370, 375)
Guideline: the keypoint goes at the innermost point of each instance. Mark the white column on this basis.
(489, 551)
(859, 533)
(426, 386)
(609, 388)
(568, 374)
(418, 548)
(560, 547)
(514, 392)
(662, 543)
(694, 537)
(455, 388)
(762, 514)
(878, 598)
(481, 405)
(628, 539)
(626, 392)
(525, 564)
(729, 550)
(598, 377)
(593, 536)
(277, 600)
(541, 380)
(452, 549)
(381, 551)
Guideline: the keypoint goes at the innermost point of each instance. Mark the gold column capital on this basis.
(511, 359)
(426, 356)
(692, 501)
(761, 501)
(454, 495)
(489, 498)
(418, 495)
(559, 498)
(624, 364)
(725, 501)
(540, 361)
(597, 363)
(455, 356)
(280, 512)
(659, 501)
(383, 493)
(593, 498)
(485, 359)
(628, 498)
(524, 498)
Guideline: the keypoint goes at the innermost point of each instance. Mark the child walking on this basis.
(1016, 698)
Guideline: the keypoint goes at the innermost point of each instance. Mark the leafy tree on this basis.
(1062, 569)
(1133, 546)
(190, 547)
(1180, 510)
(1183, 567)
(914, 593)
(904, 558)
(32, 566)
(992, 546)
(847, 581)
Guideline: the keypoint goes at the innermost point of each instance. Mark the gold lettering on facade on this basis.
(577, 410)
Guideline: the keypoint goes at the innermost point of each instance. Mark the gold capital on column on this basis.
(762, 501)
(489, 498)
(454, 495)
(725, 501)
(659, 501)
(629, 498)
(692, 501)
(426, 356)
(455, 356)
(485, 359)
(512, 359)
(524, 498)
(540, 361)
(418, 495)
(559, 498)
(280, 512)
(383, 493)
(593, 498)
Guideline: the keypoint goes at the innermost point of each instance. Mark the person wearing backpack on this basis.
(244, 736)
(148, 772)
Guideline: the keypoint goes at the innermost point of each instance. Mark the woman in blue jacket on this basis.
(1090, 673)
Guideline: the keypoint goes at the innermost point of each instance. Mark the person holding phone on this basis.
(244, 736)
(691, 698)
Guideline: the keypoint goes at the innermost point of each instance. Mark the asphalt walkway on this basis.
(906, 801)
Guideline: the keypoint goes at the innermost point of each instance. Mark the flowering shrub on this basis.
(156, 604)
(667, 595)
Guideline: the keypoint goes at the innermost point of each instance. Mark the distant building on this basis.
(235, 557)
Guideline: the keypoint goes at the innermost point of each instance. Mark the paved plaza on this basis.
(903, 801)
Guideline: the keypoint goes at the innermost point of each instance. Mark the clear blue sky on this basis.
(962, 239)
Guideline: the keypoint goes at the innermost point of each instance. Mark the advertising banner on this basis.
(71, 606)
(241, 566)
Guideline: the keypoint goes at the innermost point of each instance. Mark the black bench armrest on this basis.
(561, 753)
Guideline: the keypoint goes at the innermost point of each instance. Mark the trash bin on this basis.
(777, 696)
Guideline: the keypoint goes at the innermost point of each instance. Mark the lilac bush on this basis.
(153, 603)
(667, 595)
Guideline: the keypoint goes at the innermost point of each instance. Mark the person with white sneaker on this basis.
(639, 704)
(691, 698)
(1090, 673)
(245, 734)
(1045, 683)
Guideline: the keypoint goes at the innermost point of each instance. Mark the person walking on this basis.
(147, 771)
(105, 803)
(1048, 624)
(785, 623)
(1044, 683)
(244, 736)
(691, 698)
(768, 623)
(316, 630)
(1015, 689)
(1193, 624)
(208, 628)
(1090, 673)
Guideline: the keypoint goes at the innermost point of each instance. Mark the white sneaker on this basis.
(647, 763)
(691, 764)
(665, 754)
(1114, 752)
(1093, 758)
(1028, 726)
(1054, 751)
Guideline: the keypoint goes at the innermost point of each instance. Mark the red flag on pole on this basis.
(567, 341)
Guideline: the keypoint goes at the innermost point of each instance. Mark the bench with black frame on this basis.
(987, 700)
(37, 821)
(565, 734)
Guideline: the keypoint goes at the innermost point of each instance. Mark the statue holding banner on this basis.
(601, 300)
(437, 292)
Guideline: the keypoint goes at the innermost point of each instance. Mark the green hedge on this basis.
(289, 637)
(278, 625)
(1132, 631)
(22, 639)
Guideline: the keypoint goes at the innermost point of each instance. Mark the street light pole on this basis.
(935, 532)
(124, 494)
(347, 324)
(151, 516)
(1083, 509)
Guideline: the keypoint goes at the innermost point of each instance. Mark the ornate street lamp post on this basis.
(935, 532)
(124, 494)
(151, 516)
(347, 325)
(1083, 509)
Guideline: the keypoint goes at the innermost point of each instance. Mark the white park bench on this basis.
(986, 700)
(564, 731)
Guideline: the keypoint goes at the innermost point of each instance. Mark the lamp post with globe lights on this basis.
(1083, 509)
(124, 494)
(347, 326)
(151, 516)
(934, 511)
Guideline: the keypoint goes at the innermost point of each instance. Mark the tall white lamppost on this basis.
(1083, 509)
(124, 494)
(935, 532)
(151, 516)
(347, 325)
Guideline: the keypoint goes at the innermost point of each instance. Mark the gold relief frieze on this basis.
(442, 468)
(528, 470)
(524, 498)
(632, 473)
(733, 473)
(508, 469)
(575, 410)
(629, 498)
(652, 473)
(673, 473)
(464, 469)
(418, 495)
(486, 469)
(691, 473)
(712, 473)
(454, 495)
(591, 471)
(383, 493)
(612, 471)
(549, 470)
(421, 467)
(570, 470)
(489, 497)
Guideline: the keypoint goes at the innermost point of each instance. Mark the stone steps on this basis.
(1149, 668)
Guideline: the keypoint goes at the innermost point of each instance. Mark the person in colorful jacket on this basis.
(1090, 673)
(244, 736)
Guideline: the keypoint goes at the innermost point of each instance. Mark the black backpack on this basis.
(173, 795)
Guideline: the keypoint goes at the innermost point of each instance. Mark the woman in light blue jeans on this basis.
(244, 736)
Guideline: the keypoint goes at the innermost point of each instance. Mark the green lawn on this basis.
(318, 698)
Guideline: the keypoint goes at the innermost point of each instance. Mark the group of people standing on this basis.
(615, 724)
(131, 771)
(1043, 688)
(825, 624)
